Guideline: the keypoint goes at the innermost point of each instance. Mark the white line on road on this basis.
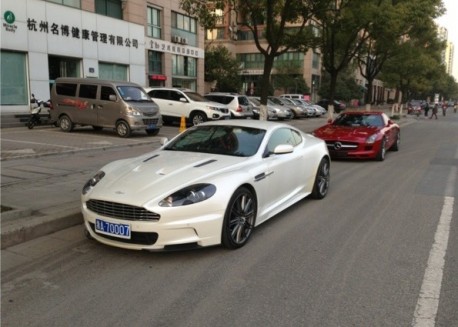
(428, 301)
(29, 142)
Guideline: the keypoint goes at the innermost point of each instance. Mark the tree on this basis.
(222, 68)
(289, 78)
(282, 24)
(395, 23)
(344, 29)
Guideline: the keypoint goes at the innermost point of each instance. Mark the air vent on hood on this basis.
(205, 163)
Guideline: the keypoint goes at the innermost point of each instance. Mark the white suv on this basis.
(239, 105)
(177, 103)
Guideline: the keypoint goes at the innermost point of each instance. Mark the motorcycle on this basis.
(35, 109)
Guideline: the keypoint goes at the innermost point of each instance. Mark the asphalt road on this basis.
(359, 257)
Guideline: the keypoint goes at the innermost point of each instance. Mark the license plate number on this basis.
(151, 126)
(117, 230)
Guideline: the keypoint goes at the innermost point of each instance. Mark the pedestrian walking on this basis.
(435, 109)
(426, 109)
(444, 108)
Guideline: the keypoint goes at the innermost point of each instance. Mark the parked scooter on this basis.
(35, 109)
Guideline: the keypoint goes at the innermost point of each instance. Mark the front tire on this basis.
(198, 118)
(30, 124)
(382, 151)
(239, 219)
(322, 179)
(123, 129)
(395, 146)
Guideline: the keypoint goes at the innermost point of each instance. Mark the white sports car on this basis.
(211, 184)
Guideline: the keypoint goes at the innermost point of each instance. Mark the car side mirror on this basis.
(283, 148)
(112, 97)
(164, 141)
(183, 100)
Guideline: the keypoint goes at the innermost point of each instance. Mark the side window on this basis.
(282, 136)
(68, 89)
(88, 91)
(105, 93)
(175, 96)
(160, 94)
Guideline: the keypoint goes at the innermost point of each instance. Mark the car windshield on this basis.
(359, 120)
(222, 139)
(133, 93)
(194, 96)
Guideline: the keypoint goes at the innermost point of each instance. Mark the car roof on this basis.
(263, 124)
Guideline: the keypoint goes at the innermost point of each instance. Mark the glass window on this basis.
(154, 62)
(154, 23)
(185, 23)
(110, 8)
(88, 91)
(316, 60)
(70, 3)
(105, 93)
(63, 67)
(68, 89)
(282, 136)
(13, 86)
(114, 72)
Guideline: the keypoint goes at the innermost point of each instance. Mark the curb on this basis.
(16, 231)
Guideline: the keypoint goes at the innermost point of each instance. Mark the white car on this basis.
(211, 184)
(177, 103)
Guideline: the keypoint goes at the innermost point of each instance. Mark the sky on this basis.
(449, 22)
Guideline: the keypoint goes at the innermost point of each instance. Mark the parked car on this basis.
(211, 184)
(119, 105)
(256, 105)
(274, 111)
(178, 103)
(293, 96)
(310, 110)
(238, 104)
(338, 106)
(360, 135)
(297, 110)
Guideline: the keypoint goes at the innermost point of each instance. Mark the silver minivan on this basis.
(121, 105)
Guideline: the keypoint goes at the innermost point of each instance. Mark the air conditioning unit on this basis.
(184, 40)
(175, 39)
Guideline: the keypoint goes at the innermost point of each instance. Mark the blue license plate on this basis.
(151, 126)
(117, 230)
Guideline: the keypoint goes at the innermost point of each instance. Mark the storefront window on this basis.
(13, 79)
(63, 67)
(114, 72)
(184, 66)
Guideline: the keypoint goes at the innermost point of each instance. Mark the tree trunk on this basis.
(265, 86)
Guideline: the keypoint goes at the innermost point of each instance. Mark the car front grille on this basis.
(341, 146)
(136, 237)
(150, 121)
(121, 211)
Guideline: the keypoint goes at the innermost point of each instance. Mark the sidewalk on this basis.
(38, 213)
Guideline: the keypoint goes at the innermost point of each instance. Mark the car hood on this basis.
(345, 133)
(160, 173)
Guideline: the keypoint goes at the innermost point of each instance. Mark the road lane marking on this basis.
(428, 301)
(39, 143)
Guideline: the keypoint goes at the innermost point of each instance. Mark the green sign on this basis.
(9, 17)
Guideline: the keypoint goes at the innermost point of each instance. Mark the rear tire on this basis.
(65, 124)
(322, 179)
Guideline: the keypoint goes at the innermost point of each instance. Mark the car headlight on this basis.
(189, 195)
(371, 139)
(93, 182)
(133, 112)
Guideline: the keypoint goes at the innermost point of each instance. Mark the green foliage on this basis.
(346, 87)
(221, 67)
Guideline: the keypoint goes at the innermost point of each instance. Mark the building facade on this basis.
(152, 43)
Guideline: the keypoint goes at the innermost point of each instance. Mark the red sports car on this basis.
(361, 135)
